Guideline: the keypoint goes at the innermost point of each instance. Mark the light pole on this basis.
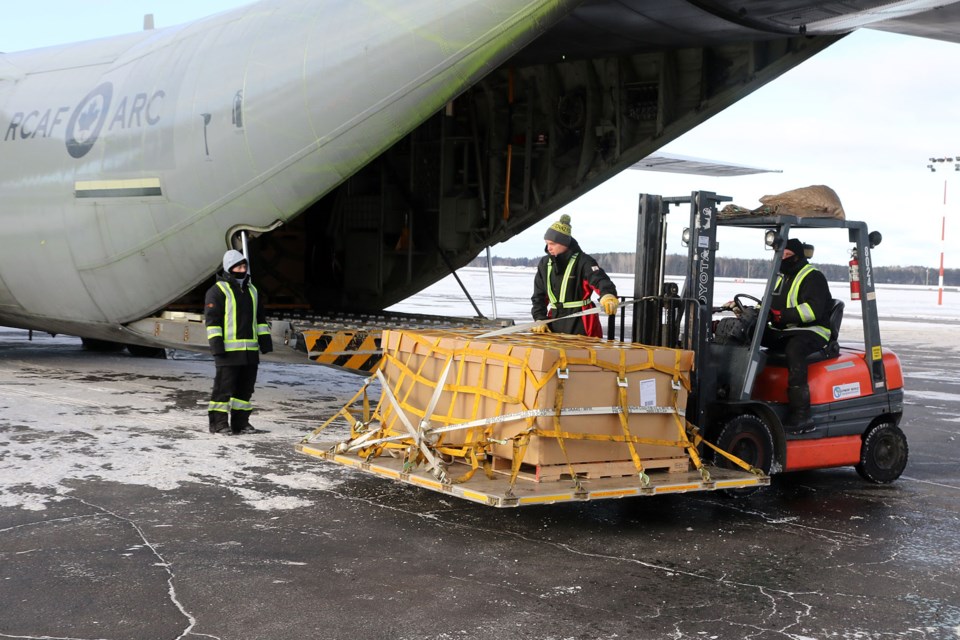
(943, 222)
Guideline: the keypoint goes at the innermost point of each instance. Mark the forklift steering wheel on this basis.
(739, 303)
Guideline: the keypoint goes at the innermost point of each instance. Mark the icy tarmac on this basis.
(122, 518)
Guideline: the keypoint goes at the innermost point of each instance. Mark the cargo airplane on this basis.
(364, 149)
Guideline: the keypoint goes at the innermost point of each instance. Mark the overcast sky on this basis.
(862, 117)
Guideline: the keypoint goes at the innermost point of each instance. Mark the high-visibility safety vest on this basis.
(558, 303)
(229, 330)
(804, 309)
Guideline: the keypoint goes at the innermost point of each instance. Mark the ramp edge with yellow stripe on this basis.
(497, 492)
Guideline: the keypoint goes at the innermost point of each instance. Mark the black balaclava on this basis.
(790, 266)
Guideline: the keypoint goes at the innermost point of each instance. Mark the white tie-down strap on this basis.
(433, 463)
(527, 326)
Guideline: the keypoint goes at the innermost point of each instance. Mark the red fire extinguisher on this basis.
(854, 275)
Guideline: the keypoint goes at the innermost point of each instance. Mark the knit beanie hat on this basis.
(796, 246)
(559, 231)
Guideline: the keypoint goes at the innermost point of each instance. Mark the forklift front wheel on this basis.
(749, 438)
(883, 455)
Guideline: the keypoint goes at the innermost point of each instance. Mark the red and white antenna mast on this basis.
(943, 221)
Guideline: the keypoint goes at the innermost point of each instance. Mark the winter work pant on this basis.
(232, 388)
(796, 346)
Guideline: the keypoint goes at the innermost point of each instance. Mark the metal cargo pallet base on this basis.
(496, 492)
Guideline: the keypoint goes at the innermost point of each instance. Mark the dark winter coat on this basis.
(252, 331)
(811, 309)
(586, 277)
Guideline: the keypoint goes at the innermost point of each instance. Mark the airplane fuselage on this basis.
(126, 164)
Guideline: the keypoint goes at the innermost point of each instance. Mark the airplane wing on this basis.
(942, 22)
(623, 27)
(673, 163)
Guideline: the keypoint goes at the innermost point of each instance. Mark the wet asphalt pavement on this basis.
(256, 541)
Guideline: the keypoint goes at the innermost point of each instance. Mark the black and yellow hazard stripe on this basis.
(354, 350)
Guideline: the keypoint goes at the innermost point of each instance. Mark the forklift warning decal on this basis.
(849, 390)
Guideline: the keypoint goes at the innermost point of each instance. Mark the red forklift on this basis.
(738, 399)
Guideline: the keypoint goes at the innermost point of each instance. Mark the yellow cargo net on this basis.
(446, 398)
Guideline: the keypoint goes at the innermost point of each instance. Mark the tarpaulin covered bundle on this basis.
(815, 201)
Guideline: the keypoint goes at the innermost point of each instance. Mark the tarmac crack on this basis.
(774, 595)
(567, 602)
(43, 523)
(162, 562)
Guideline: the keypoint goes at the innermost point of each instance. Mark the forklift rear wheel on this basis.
(749, 438)
(883, 455)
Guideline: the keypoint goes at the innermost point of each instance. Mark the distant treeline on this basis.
(623, 262)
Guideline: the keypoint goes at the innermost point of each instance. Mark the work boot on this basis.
(241, 423)
(218, 422)
(798, 418)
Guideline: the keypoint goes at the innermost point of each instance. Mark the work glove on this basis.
(265, 342)
(776, 318)
(541, 328)
(609, 303)
(216, 346)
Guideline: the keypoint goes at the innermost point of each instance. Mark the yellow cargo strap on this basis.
(698, 440)
(451, 425)
(558, 408)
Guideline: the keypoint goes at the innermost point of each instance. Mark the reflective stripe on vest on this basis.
(230, 340)
(805, 311)
(554, 301)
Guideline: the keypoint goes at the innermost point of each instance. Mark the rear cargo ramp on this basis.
(544, 418)
(352, 341)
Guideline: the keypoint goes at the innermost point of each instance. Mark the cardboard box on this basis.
(514, 373)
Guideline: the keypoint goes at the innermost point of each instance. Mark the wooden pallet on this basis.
(589, 470)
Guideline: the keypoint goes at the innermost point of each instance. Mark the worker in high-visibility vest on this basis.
(237, 332)
(566, 278)
(798, 326)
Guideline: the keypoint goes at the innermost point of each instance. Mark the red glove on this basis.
(776, 317)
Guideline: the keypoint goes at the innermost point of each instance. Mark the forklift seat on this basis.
(835, 317)
(832, 348)
(828, 351)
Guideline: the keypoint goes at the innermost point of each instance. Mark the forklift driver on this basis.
(797, 327)
(566, 278)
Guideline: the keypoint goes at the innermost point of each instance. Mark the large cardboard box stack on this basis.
(505, 375)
